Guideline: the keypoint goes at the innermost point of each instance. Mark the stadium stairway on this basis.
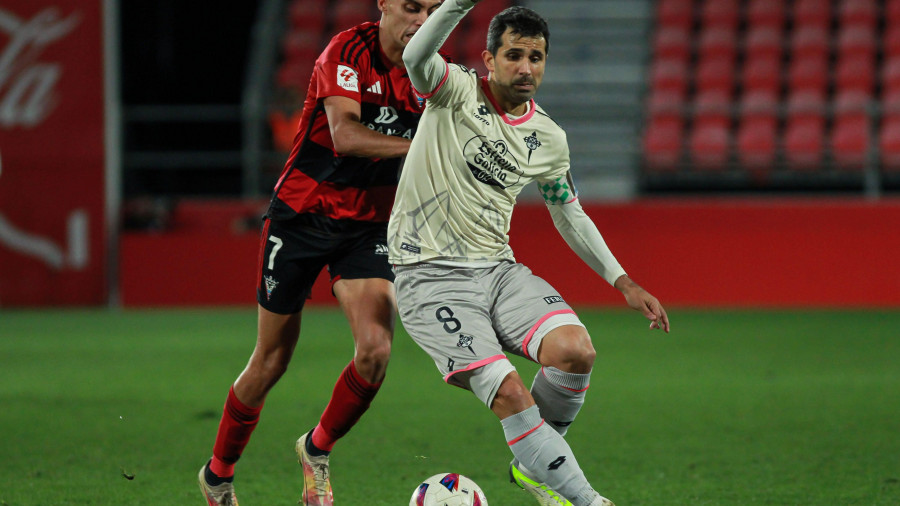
(594, 88)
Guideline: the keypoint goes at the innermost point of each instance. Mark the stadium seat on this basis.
(856, 42)
(757, 133)
(717, 43)
(892, 13)
(663, 139)
(672, 43)
(762, 74)
(763, 42)
(675, 13)
(810, 42)
(349, 13)
(720, 13)
(665, 104)
(889, 144)
(812, 13)
(890, 40)
(308, 15)
(669, 75)
(715, 75)
(810, 74)
(710, 133)
(301, 46)
(765, 14)
(890, 75)
(857, 74)
(850, 134)
(805, 130)
(862, 13)
(294, 75)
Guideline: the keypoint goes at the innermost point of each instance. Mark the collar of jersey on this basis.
(486, 88)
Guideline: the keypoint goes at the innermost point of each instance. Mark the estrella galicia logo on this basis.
(466, 341)
(532, 143)
(553, 299)
(491, 162)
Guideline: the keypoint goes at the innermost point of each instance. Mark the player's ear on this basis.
(382, 5)
(488, 60)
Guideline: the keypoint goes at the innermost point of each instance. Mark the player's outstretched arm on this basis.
(424, 65)
(641, 300)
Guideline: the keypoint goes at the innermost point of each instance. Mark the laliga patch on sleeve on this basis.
(347, 78)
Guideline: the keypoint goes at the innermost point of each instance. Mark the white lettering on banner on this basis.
(46, 250)
(27, 86)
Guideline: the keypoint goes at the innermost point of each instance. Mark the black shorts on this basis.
(293, 252)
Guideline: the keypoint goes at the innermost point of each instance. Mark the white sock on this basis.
(559, 396)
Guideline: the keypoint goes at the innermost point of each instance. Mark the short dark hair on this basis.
(520, 20)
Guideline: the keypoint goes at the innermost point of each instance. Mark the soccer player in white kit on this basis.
(461, 294)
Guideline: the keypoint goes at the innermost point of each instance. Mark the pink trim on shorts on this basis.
(567, 388)
(537, 326)
(516, 440)
(476, 365)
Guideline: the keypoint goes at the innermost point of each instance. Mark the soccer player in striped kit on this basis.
(461, 294)
(330, 207)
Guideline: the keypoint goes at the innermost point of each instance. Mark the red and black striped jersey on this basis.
(316, 180)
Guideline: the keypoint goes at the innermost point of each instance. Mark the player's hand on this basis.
(641, 300)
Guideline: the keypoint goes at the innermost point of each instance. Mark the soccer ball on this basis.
(448, 489)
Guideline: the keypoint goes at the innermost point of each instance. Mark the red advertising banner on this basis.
(52, 158)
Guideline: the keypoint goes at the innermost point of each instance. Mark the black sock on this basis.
(312, 449)
(213, 479)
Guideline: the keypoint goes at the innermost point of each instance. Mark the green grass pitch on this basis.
(731, 408)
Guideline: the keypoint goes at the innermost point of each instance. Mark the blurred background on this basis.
(733, 152)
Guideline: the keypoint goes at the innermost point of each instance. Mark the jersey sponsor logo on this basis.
(481, 113)
(271, 284)
(375, 88)
(381, 249)
(465, 341)
(409, 247)
(553, 299)
(347, 78)
(491, 162)
(532, 143)
(388, 115)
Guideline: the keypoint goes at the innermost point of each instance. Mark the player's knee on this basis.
(374, 352)
(512, 397)
(569, 350)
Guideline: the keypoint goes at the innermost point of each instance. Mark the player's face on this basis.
(518, 68)
(401, 19)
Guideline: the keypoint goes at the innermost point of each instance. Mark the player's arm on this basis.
(352, 138)
(426, 69)
(582, 235)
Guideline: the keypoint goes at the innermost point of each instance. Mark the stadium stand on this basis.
(795, 88)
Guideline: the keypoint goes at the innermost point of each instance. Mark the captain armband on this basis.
(559, 191)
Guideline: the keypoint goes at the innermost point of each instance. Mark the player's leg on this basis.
(559, 387)
(363, 285)
(284, 282)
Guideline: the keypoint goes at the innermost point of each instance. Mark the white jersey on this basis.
(467, 163)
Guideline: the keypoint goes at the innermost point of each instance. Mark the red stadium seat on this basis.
(672, 43)
(757, 134)
(762, 73)
(892, 13)
(805, 131)
(720, 13)
(812, 13)
(763, 42)
(663, 141)
(810, 42)
(891, 40)
(765, 13)
(890, 75)
(857, 74)
(710, 145)
(294, 75)
(858, 13)
(301, 46)
(349, 13)
(717, 43)
(669, 75)
(665, 104)
(889, 144)
(810, 74)
(713, 106)
(715, 75)
(850, 135)
(309, 15)
(856, 42)
(675, 13)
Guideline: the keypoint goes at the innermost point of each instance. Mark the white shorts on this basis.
(465, 319)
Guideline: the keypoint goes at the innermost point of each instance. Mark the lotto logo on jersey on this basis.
(347, 78)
